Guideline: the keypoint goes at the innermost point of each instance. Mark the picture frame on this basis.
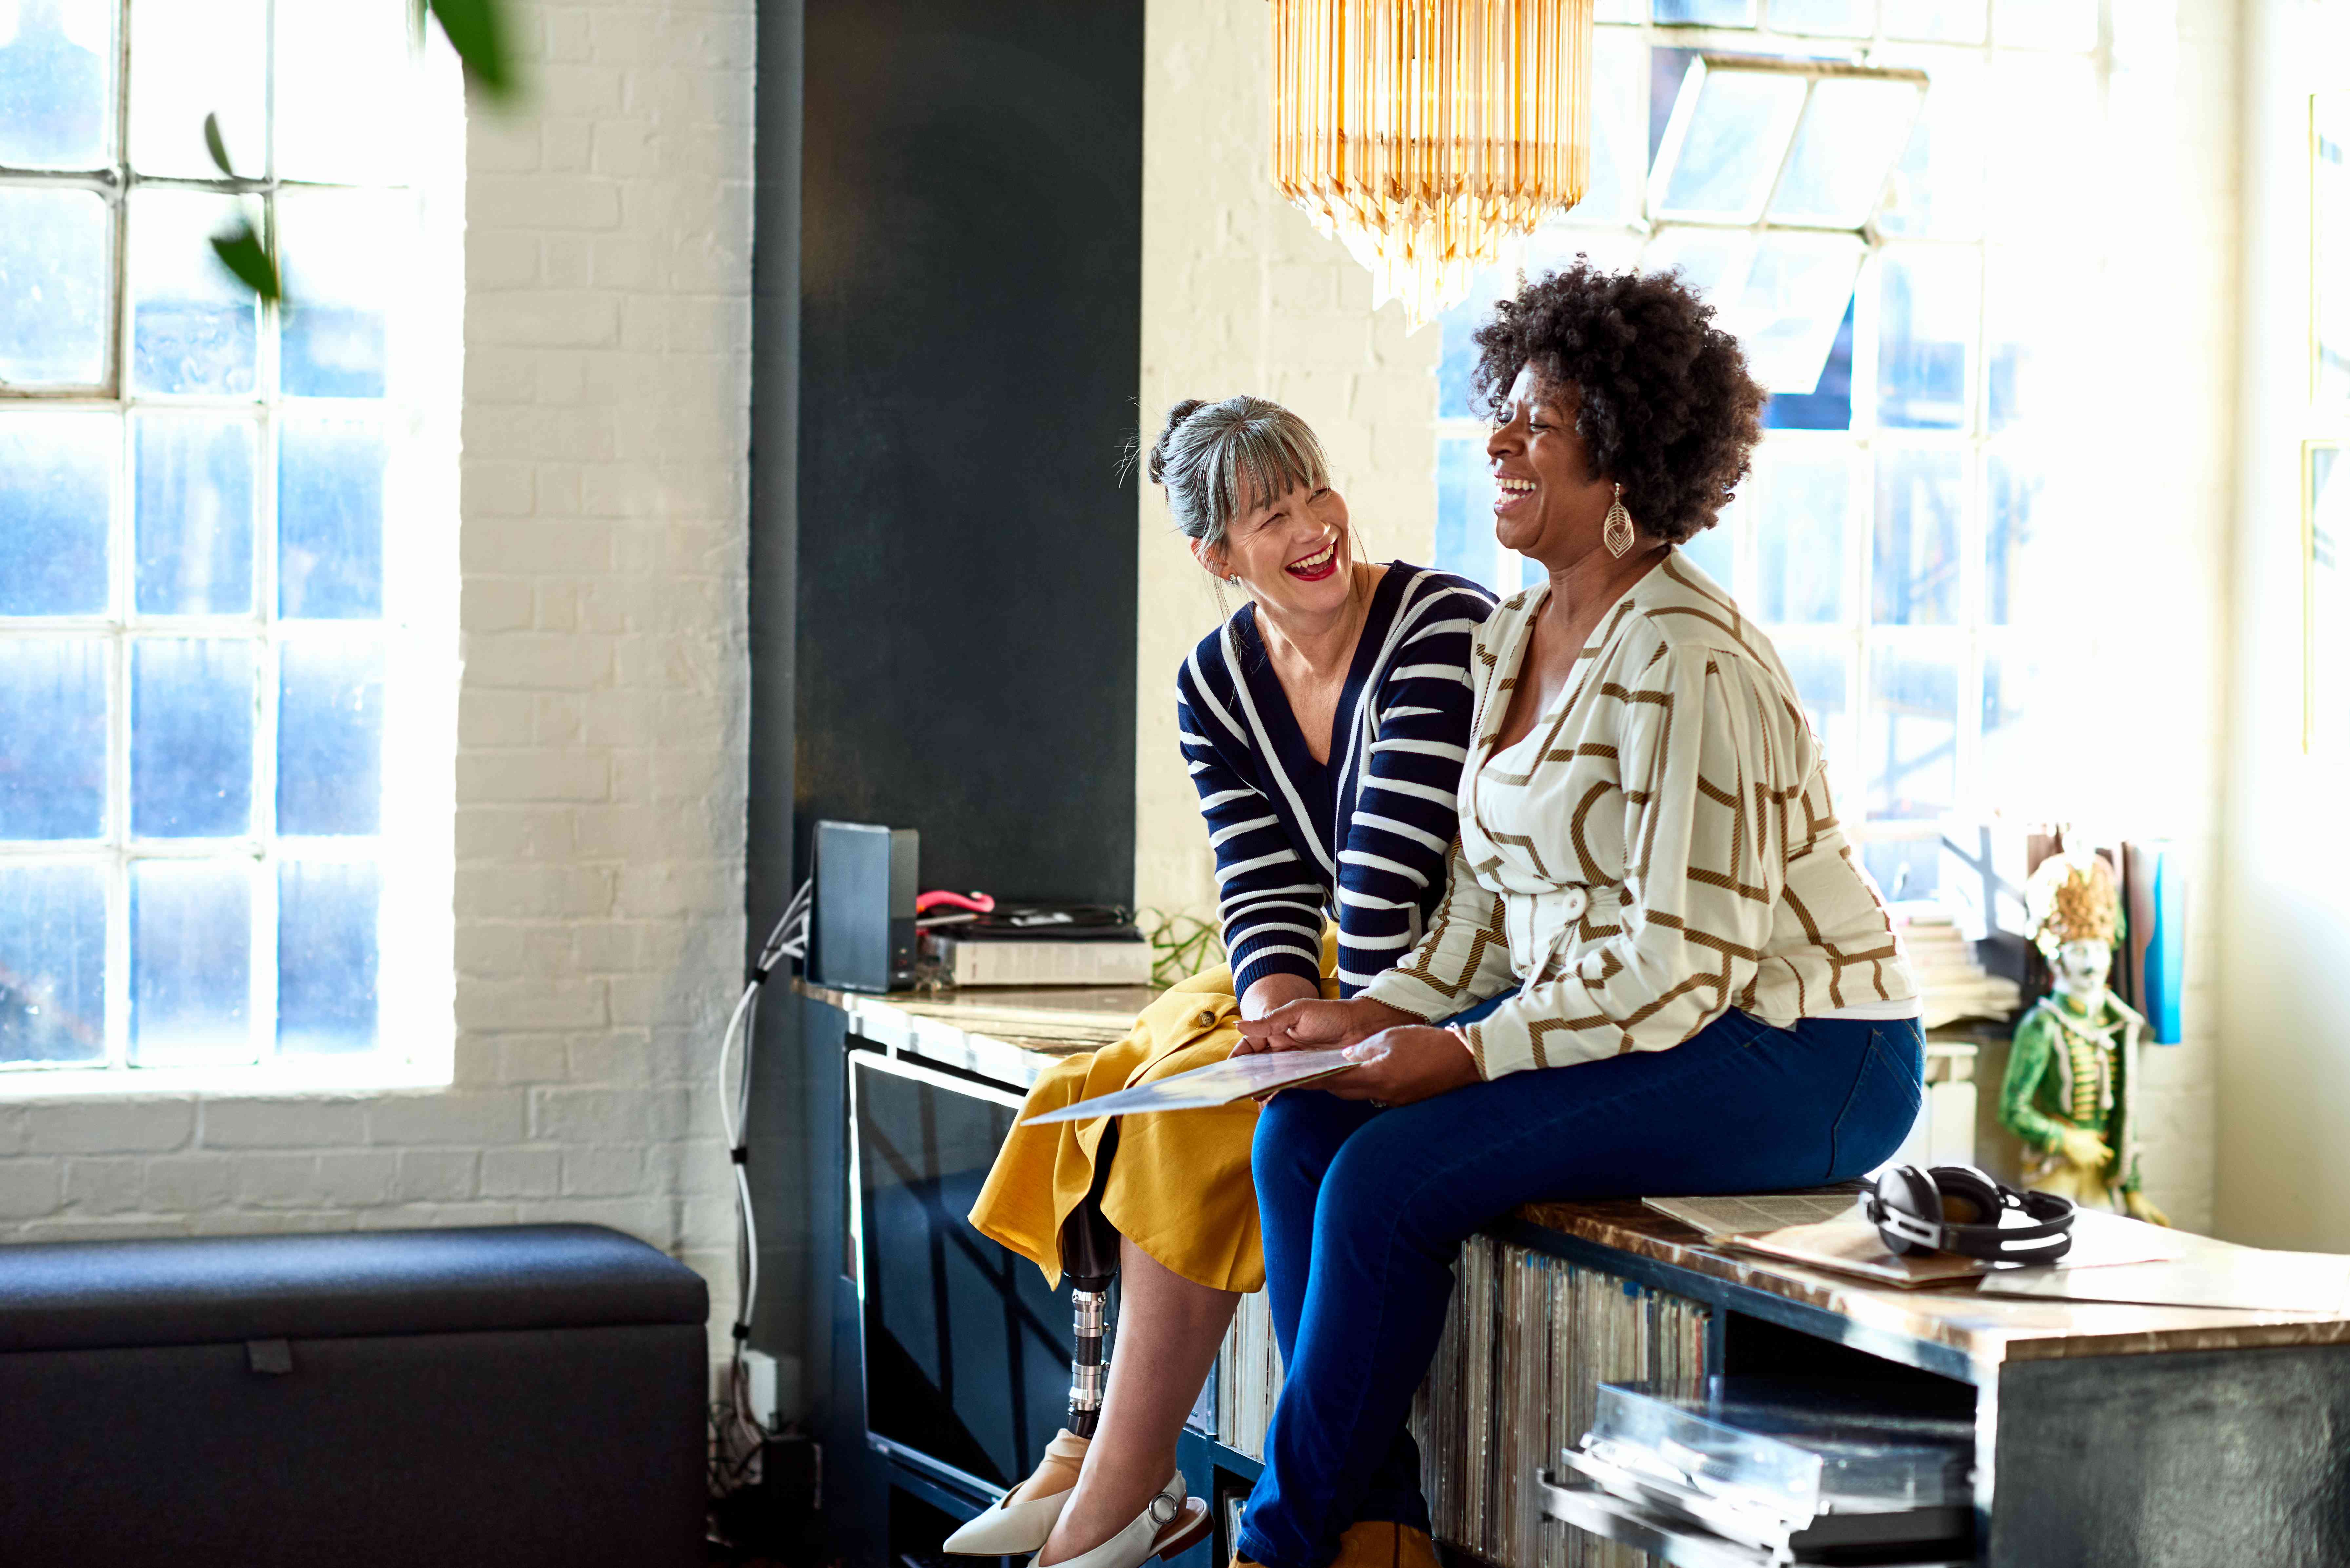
(2329, 246)
(2325, 594)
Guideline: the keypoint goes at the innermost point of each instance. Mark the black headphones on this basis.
(1958, 1209)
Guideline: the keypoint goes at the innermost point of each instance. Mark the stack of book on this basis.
(1516, 1379)
(1950, 983)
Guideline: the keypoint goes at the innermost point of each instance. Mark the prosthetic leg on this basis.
(1173, 1521)
(1024, 1520)
(1089, 1258)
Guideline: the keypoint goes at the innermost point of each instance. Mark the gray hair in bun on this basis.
(1215, 459)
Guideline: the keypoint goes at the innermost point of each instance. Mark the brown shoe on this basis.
(1379, 1543)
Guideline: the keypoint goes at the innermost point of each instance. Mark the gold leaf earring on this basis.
(1617, 534)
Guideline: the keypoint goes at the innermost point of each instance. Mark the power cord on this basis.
(739, 1433)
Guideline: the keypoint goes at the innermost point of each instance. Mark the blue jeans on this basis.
(1364, 1210)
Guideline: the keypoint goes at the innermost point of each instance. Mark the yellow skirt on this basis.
(1179, 1187)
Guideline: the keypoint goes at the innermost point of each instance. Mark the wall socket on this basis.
(759, 1368)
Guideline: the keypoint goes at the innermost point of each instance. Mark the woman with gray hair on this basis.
(1324, 724)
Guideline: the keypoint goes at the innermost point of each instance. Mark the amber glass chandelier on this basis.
(1425, 134)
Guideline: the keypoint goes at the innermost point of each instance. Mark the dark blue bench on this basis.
(515, 1395)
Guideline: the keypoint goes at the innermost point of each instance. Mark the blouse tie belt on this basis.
(1552, 921)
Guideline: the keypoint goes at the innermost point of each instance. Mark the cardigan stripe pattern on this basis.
(1659, 848)
(1361, 839)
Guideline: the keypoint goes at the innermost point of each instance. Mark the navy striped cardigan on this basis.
(1364, 835)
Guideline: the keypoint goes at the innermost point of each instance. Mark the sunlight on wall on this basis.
(1239, 294)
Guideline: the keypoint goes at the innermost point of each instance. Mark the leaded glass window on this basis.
(209, 643)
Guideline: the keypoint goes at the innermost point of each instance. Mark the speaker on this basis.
(864, 888)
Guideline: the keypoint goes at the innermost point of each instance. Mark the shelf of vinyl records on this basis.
(1516, 1378)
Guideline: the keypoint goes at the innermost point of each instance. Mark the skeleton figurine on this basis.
(2072, 1076)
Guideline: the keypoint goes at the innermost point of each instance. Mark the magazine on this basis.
(1224, 1083)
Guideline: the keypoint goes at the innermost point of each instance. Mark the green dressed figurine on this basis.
(2073, 1074)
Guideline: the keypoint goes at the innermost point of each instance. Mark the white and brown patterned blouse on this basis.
(1659, 847)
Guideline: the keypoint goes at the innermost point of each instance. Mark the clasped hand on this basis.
(1400, 1059)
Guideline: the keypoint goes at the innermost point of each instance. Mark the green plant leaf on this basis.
(248, 259)
(215, 145)
(477, 30)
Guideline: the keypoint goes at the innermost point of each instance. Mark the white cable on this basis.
(788, 941)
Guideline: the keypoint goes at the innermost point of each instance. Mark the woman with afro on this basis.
(1657, 969)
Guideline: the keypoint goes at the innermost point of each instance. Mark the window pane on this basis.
(191, 962)
(1456, 358)
(1707, 12)
(1823, 677)
(194, 518)
(2046, 24)
(2040, 310)
(1785, 296)
(52, 737)
(327, 956)
(52, 964)
(1905, 868)
(56, 493)
(1802, 515)
(192, 326)
(1828, 405)
(56, 62)
(342, 251)
(1738, 129)
(329, 738)
(1794, 299)
(329, 519)
(1910, 740)
(1852, 130)
(2015, 751)
(1714, 552)
(1940, 21)
(214, 54)
(1841, 18)
(2020, 583)
(2046, 175)
(1938, 186)
(342, 73)
(1914, 566)
(1931, 301)
(191, 738)
(1711, 261)
(1464, 510)
(1619, 131)
(55, 271)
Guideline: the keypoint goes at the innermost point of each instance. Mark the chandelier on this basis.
(1424, 134)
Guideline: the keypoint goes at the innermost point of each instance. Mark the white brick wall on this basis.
(1239, 294)
(599, 780)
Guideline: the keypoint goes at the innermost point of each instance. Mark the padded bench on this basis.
(508, 1395)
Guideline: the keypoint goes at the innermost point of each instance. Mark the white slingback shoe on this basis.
(1023, 1521)
(1170, 1523)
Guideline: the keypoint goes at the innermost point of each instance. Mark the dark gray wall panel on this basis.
(947, 279)
(778, 1134)
(970, 294)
